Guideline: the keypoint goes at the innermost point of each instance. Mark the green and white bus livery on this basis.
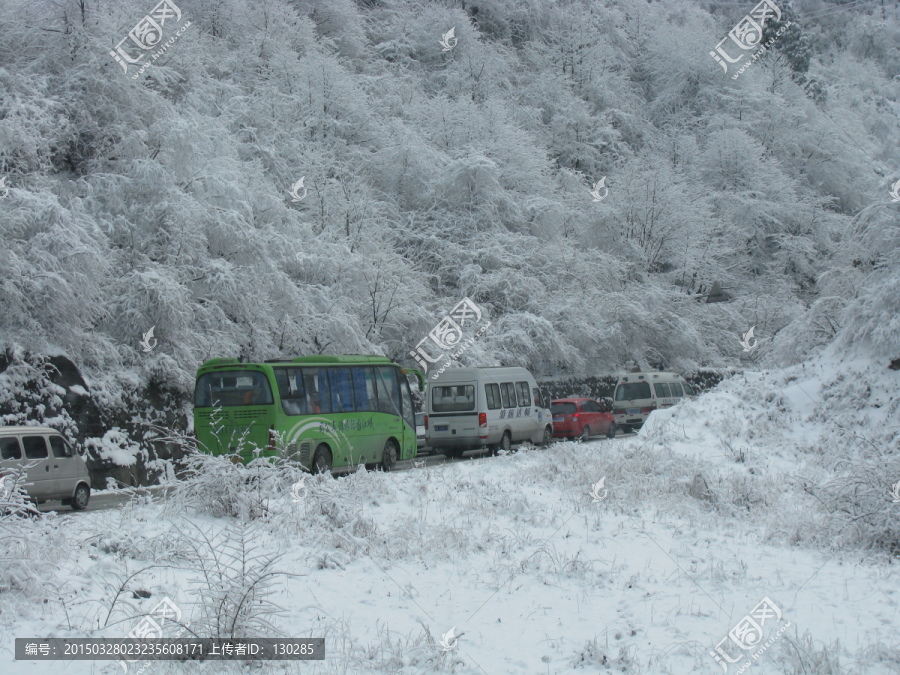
(326, 412)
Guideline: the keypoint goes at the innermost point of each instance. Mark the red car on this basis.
(581, 418)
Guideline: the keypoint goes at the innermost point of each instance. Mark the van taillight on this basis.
(271, 445)
(619, 411)
(426, 422)
(647, 411)
(482, 420)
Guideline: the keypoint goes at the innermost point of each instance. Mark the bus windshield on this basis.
(232, 388)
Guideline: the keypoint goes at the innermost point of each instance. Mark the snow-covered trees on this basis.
(433, 174)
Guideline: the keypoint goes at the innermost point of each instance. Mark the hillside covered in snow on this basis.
(169, 197)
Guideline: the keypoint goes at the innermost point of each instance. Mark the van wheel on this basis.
(506, 442)
(81, 497)
(612, 430)
(389, 458)
(322, 460)
(548, 437)
(585, 435)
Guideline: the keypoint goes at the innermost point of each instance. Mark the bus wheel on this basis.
(322, 460)
(389, 459)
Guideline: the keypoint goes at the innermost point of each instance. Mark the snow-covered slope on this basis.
(741, 495)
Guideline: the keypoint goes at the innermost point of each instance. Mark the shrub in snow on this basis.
(115, 447)
(234, 584)
(14, 500)
(29, 541)
(224, 487)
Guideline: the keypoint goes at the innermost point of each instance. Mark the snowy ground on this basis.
(537, 574)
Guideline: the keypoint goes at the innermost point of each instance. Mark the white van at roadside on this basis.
(639, 394)
(470, 408)
(53, 469)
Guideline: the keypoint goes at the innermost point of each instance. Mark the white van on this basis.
(54, 469)
(470, 408)
(639, 394)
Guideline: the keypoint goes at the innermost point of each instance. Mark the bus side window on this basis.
(290, 389)
(364, 388)
(341, 393)
(492, 392)
(317, 397)
(504, 395)
(524, 395)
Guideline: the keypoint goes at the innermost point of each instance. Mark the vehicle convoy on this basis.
(639, 394)
(53, 469)
(581, 418)
(472, 408)
(327, 412)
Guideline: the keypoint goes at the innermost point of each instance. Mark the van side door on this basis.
(663, 395)
(67, 466)
(510, 404)
(528, 422)
(42, 475)
(11, 458)
(541, 410)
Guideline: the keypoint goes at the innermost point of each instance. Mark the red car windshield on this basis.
(563, 408)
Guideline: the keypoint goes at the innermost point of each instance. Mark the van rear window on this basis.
(633, 390)
(453, 398)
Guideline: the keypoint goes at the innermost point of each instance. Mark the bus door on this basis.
(355, 448)
(390, 405)
(365, 394)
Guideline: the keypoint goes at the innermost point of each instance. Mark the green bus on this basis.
(326, 412)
